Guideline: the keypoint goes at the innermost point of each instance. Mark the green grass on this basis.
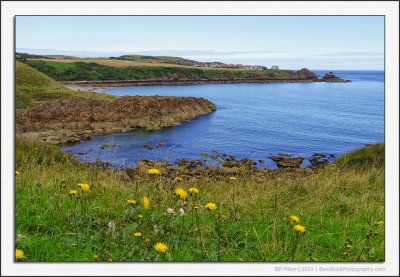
(80, 71)
(33, 88)
(337, 206)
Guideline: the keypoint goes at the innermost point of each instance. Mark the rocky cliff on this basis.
(69, 121)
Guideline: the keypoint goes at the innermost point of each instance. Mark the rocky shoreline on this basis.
(70, 121)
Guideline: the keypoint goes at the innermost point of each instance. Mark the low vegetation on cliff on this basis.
(69, 211)
(33, 88)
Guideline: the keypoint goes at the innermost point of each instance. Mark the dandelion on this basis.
(348, 246)
(170, 211)
(17, 172)
(147, 240)
(84, 187)
(196, 207)
(153, 171)
(146, 202)
(346, 254)
(193, 191)
(181, 212)
(19, 254)
(223, 217)
(294, 219)
(140, 216)
(63, 183)
(72, 192)
(232, 178)
(96, 257)
(210, 206)
(299, 228)
(138, 234)
(185, 203)
(110, 260)
(173, 213)
(131, 202)
(178, 178)
(158, 181)
(181, 193)
(161, 247)
(380, 222)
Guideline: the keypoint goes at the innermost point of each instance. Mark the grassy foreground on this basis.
(341, 209)
(33, 88)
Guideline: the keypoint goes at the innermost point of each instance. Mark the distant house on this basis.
(223, 65)
(275, 67)
(239, 65)
(155, 62)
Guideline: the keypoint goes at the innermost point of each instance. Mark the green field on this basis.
(33, 88)
(341, 209)
(89, 71)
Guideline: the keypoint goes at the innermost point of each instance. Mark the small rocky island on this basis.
(68, 121)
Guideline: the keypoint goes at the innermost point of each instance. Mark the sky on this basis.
(291, 42)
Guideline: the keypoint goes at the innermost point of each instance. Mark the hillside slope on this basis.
(33, 88)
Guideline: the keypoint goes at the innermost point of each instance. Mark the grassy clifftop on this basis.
(341, 209)
(33, 88)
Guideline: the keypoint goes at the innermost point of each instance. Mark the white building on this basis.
(275, 67)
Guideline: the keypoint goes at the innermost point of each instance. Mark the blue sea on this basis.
(256, 121)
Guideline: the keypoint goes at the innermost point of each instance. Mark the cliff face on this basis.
(68, 121)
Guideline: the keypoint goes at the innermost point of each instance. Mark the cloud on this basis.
(336, 54)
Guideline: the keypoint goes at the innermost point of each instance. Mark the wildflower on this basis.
(232, 178)
(299, 228)
(294, 219)
(140, 216)
(223, 217)
(96, 257)
(72, 192)
(210, 206)
(146, 202)
(181, 212)
(130, 202)
(185, 203)
(158, 181)
(110, 260)
(84, 187)
(19, 254)
(147, 240)
(193, 191)
(17, 172)
(348, 246)
(346, 254)
(181, 193)
(161, 247)
(63, 183)
(111, 226)
(173, 213)
(380, 222)
(153, 171)
(170, 211)
(138, 234)
(178, 178)
(196, 207)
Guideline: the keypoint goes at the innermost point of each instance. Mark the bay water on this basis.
(256, 121)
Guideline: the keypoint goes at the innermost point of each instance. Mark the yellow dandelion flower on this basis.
(146, 202)
(19, 254)
(96, 257)
(73, 192)
(173, 213)
(299, 228)
(84, 187)
(346, 254)
(193, 191)
(223, 217)
(232, 178)
(380, 222)
(110, 260)
(348, 246)
(196, 207)
(181, 193)
(185, 203)
(146, 240)
(178, 178)
(294, 219)
(158, 181)
(130, 202)
(153, 171)
(140, 216)
(210, 206)
(161, 247)
(17, 172)
(138, 234)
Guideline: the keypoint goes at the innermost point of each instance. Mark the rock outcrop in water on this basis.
(330, 77)
(69, 121)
